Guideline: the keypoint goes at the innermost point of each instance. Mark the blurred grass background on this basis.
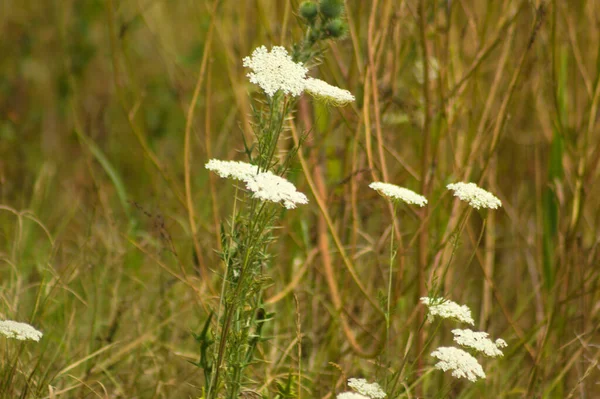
(96, 243)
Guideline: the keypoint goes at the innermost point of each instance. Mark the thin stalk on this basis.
(457, 232)
(214, 379)
(423, 244)
(390, 278)
(187, 150)
(279, 128)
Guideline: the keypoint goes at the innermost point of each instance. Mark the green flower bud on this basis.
(335, 28)
(331, 8)
(309, 11)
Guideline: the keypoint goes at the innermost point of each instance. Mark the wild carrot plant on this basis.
(246, 238)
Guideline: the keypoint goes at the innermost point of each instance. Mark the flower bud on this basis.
(335, 28)
(309, 11)
(331, 8)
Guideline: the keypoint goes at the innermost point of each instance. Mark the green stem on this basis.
(390, 278)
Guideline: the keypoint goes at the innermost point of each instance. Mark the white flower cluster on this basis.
(351, 395)
(265, 186)
(269, 187)
(323, 90)
(236, 170)
(447, 309)
(462, 364)
(20, 331)
(475, 196)
(396, 193)
(371, 390)
(479, 341)
(275, 70)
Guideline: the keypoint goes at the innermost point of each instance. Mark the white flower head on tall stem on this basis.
(396, 193)
(447, 309)
(236, 170)
(462, 364)
(351, 395)
(20, 331)
(478, 341)
(269, 187)
(328, 93)
(372, 390)
(275, 70)
(475, 196)
(264, 185)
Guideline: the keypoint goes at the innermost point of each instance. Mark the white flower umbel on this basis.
(475, 196)
(447, 309)
(478, 341)
(462, 364)
(396, 193)
(269, 187)
(275, 70)
(371, 390)
(20, 331)
(351, 395)
(324, 91)
(264, 185)
(500, 343)
(232, 169)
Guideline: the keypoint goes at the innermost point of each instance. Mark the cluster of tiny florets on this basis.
(236, 170)
(447, 309)
(369, 389)
(275, 70)
(269, 187)
(265, 186)
(475, 196)
(396, 193)
(462, 364)
(351, 395)
(323, 90)
(20, 331)
(479, 341)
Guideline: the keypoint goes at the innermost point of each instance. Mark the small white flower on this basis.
(20, 331)
(275, 70)
(462, 364)
(447, 309)
(371, 390)
(500, 343)
(475, 196)
(323, 90)
(351, 395)
(394, 192)
(478, 341)
(232, 169)
(269, 187)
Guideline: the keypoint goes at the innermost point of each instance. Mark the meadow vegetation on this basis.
(150, 266)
